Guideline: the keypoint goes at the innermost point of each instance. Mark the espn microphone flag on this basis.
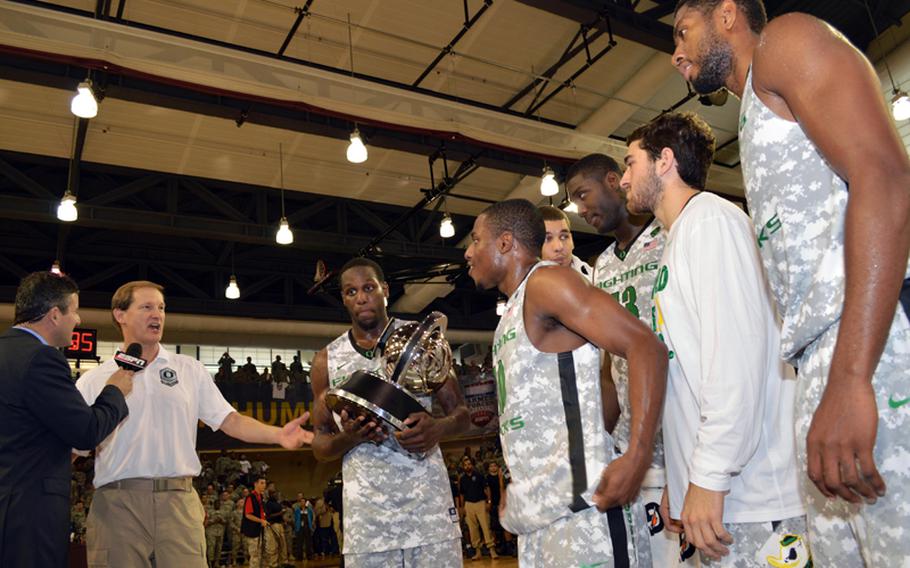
(130, 360)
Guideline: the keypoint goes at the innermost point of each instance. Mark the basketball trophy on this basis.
(415, 361)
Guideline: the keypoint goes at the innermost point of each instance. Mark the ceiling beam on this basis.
(625, 22)
(468, 23)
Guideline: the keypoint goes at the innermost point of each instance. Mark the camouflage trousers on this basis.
(840, 533)
(213, 544)
(780, 544)
(586, 538)
(445, 554)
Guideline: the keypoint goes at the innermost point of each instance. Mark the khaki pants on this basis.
(254, 548)
(276, 549)
(476, 513)
(132, 521)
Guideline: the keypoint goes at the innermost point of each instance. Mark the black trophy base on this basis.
(370, 395)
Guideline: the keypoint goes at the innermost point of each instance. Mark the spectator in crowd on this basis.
(275, 545)
(475, 501)
(325, 535)
(254, 524)
(250, 368)
(279, 370)
(297, 372)
(303, 540)
(225, 366)
(77, 522)
(216, 518)
(237, 549)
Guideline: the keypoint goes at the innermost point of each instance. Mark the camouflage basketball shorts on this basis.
(840, 533)
(779, 544)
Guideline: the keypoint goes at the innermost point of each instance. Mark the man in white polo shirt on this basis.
(145, 512)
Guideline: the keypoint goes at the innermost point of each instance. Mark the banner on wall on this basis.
(479, 387)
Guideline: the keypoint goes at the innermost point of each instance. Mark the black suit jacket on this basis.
(42, 418)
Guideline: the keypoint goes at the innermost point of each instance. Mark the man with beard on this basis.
(813, 124)
(397, 510)
(728, 419)
(547, 365)
(558, 243)
(625, 270)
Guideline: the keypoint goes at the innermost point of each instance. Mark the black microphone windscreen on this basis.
(134, 350)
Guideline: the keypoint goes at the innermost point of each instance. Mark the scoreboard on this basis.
(83, 345)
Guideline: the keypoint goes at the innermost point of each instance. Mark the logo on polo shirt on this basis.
(168, 376)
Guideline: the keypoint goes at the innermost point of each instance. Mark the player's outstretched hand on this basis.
(702, 519)
(620, 482)
(840, 442)
(422, 433)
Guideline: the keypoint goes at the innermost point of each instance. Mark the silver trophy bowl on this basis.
(415, 361)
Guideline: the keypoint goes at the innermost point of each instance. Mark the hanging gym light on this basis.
(548, 184)
(67, 211)
(357, 150)
(446, 227)
(232, 292)
(84, 104)
(284, 236)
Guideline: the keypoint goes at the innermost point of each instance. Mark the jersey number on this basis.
(628, 299)
(501, 386)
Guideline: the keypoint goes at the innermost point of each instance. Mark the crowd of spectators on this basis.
(298, 529)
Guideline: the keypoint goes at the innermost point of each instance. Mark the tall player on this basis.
(626, 270)
(397, 510)
(547, 365)
(812, 124)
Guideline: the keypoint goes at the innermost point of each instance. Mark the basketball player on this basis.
(558, 244)
(813, 124)
(626, 270)
(728, 420)
(397, 510)
(547, 366)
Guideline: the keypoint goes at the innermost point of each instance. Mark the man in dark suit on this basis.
(42, 417)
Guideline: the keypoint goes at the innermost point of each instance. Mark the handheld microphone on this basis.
(131, 360)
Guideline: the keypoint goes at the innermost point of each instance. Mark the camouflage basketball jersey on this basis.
(390, 500)
(550, 423)
(797, 204)
(628, 275)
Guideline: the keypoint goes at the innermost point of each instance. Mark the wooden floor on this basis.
(503, 562)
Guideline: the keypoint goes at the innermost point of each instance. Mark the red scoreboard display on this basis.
(83, 345)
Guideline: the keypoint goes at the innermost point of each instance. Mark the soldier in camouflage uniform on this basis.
(626, 271)
(237, 556)
(397, 510)
(813, 124)
(216, 517)
(78, 522)
(547, 366)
